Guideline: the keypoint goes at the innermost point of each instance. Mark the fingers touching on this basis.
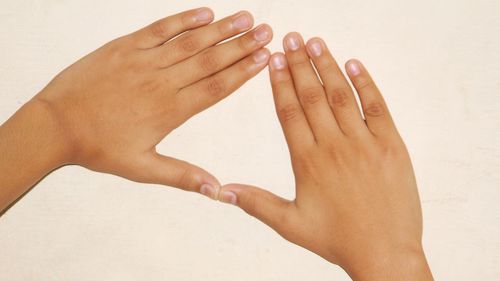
(314, 101)
(278, 213)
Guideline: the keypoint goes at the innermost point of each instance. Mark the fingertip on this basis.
(209, 185)
(204, 15)
(248, 16)
(247, 13)
(210, 179)
(315, 47)
(205, 178)
(278, 61)
(292, 34)
(261, 56)
(314, 39)
(353, 67)
(264, 33)
(229, 193)
(292, 41)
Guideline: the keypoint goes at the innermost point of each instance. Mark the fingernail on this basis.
(208, 190)
(228, 197)
(242, 22)
(261, 56)
(203, 15)
(261, 33)
(353, 68)
(315, 48)
(278, 62)
(292, 42)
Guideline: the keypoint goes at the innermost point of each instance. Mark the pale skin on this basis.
(356, 202)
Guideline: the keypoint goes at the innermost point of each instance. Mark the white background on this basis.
(437, 63)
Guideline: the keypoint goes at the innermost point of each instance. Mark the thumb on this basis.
(160, 169)
(277, 212)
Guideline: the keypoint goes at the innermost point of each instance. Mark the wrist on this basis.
(407, 265)
(32, 144)
(47, 133)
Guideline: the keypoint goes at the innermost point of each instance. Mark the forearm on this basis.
(31, 145)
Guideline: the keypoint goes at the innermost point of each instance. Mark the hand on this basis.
(356, 201)
(119, 102)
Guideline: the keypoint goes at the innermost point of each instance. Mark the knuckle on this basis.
(312, 95)
(374, 109)
(364, 84)
(118, 53)
(289, 112)
(281, 83)
(244, 43)
(185, 177)
(243, 68)
(301, 63)
(150, 86)
(208, 62)
(328, 66)
(222, 28)
(308, 168)
(395, 151)
(187, 44)
(162, 59)
(338, 97)
(159, 29)
(215, 86)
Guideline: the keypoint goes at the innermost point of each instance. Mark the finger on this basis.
(159, 169)
(278, 213)
(297, 132)
(219, 57)
(309, 88)
(165, 29)
(378, 118)
(339, 93)
(195, 41)
(205, 93)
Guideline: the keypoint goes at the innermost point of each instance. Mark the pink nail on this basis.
(353, 68)
(228, 197)
(208, 190)
(242, 22)
(261, 33)
(315, 48)
(203, 15)
(261, 56)
(292, 42)
(278, 62)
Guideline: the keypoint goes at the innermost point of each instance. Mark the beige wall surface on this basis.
(436, 61)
